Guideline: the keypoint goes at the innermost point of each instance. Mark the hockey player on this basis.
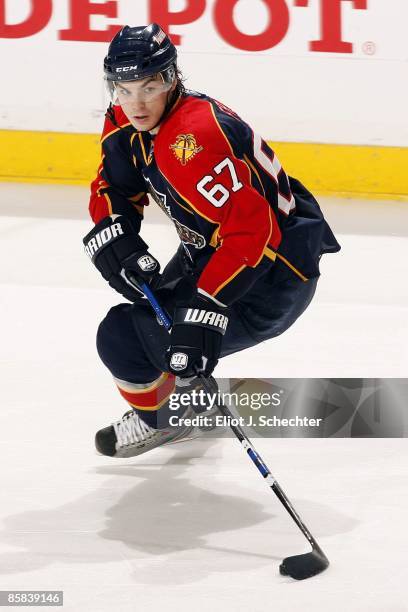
(251, 237)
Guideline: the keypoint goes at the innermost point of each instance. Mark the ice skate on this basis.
(131, 436)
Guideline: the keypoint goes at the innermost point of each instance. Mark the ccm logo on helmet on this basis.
(205, 317)
(102, 238)
(126, 68)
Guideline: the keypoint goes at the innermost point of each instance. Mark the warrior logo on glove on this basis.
(102, 238)
(178, 361)
(147, 263)
(206, 318)
(116, 249)
(196, 337)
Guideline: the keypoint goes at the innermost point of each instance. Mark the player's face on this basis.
(143, 102)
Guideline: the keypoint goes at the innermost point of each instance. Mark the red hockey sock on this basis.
(149, 400)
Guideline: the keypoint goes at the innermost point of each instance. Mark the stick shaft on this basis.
(261, 466)
(239, 433)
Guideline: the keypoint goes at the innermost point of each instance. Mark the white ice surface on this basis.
(192, 526)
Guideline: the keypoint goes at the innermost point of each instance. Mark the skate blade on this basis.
(186, 439)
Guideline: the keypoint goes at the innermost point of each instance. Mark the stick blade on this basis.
(304, 566)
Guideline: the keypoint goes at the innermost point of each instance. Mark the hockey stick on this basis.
(298, 567)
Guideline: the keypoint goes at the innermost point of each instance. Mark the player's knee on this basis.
(114, 333)
(120, 348)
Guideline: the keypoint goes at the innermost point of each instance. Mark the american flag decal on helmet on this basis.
(159, 37)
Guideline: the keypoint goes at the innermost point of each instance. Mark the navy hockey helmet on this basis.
(139, 52)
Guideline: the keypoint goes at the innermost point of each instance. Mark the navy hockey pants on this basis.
(132, 344)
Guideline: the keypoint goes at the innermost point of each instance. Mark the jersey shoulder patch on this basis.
(191, 130)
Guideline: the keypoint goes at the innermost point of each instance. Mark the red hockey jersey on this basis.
(221, 185)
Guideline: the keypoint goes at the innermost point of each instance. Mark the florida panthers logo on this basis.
(159, 198)
(186, 234)
(185, 148)
(189, 236)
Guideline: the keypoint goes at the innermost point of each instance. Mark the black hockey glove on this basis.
(118, 251)
(196, 337)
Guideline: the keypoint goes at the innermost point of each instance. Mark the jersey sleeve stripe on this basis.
(239, 161)
(268, 252)
(109, 203)
(114, 132)
(295, 270)
(142, 147)
(220, 128)
(102, 185)
(269, 236)
(272, 167)
(255, 171)
(216, 239)
(101, 165)
(228, 280)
